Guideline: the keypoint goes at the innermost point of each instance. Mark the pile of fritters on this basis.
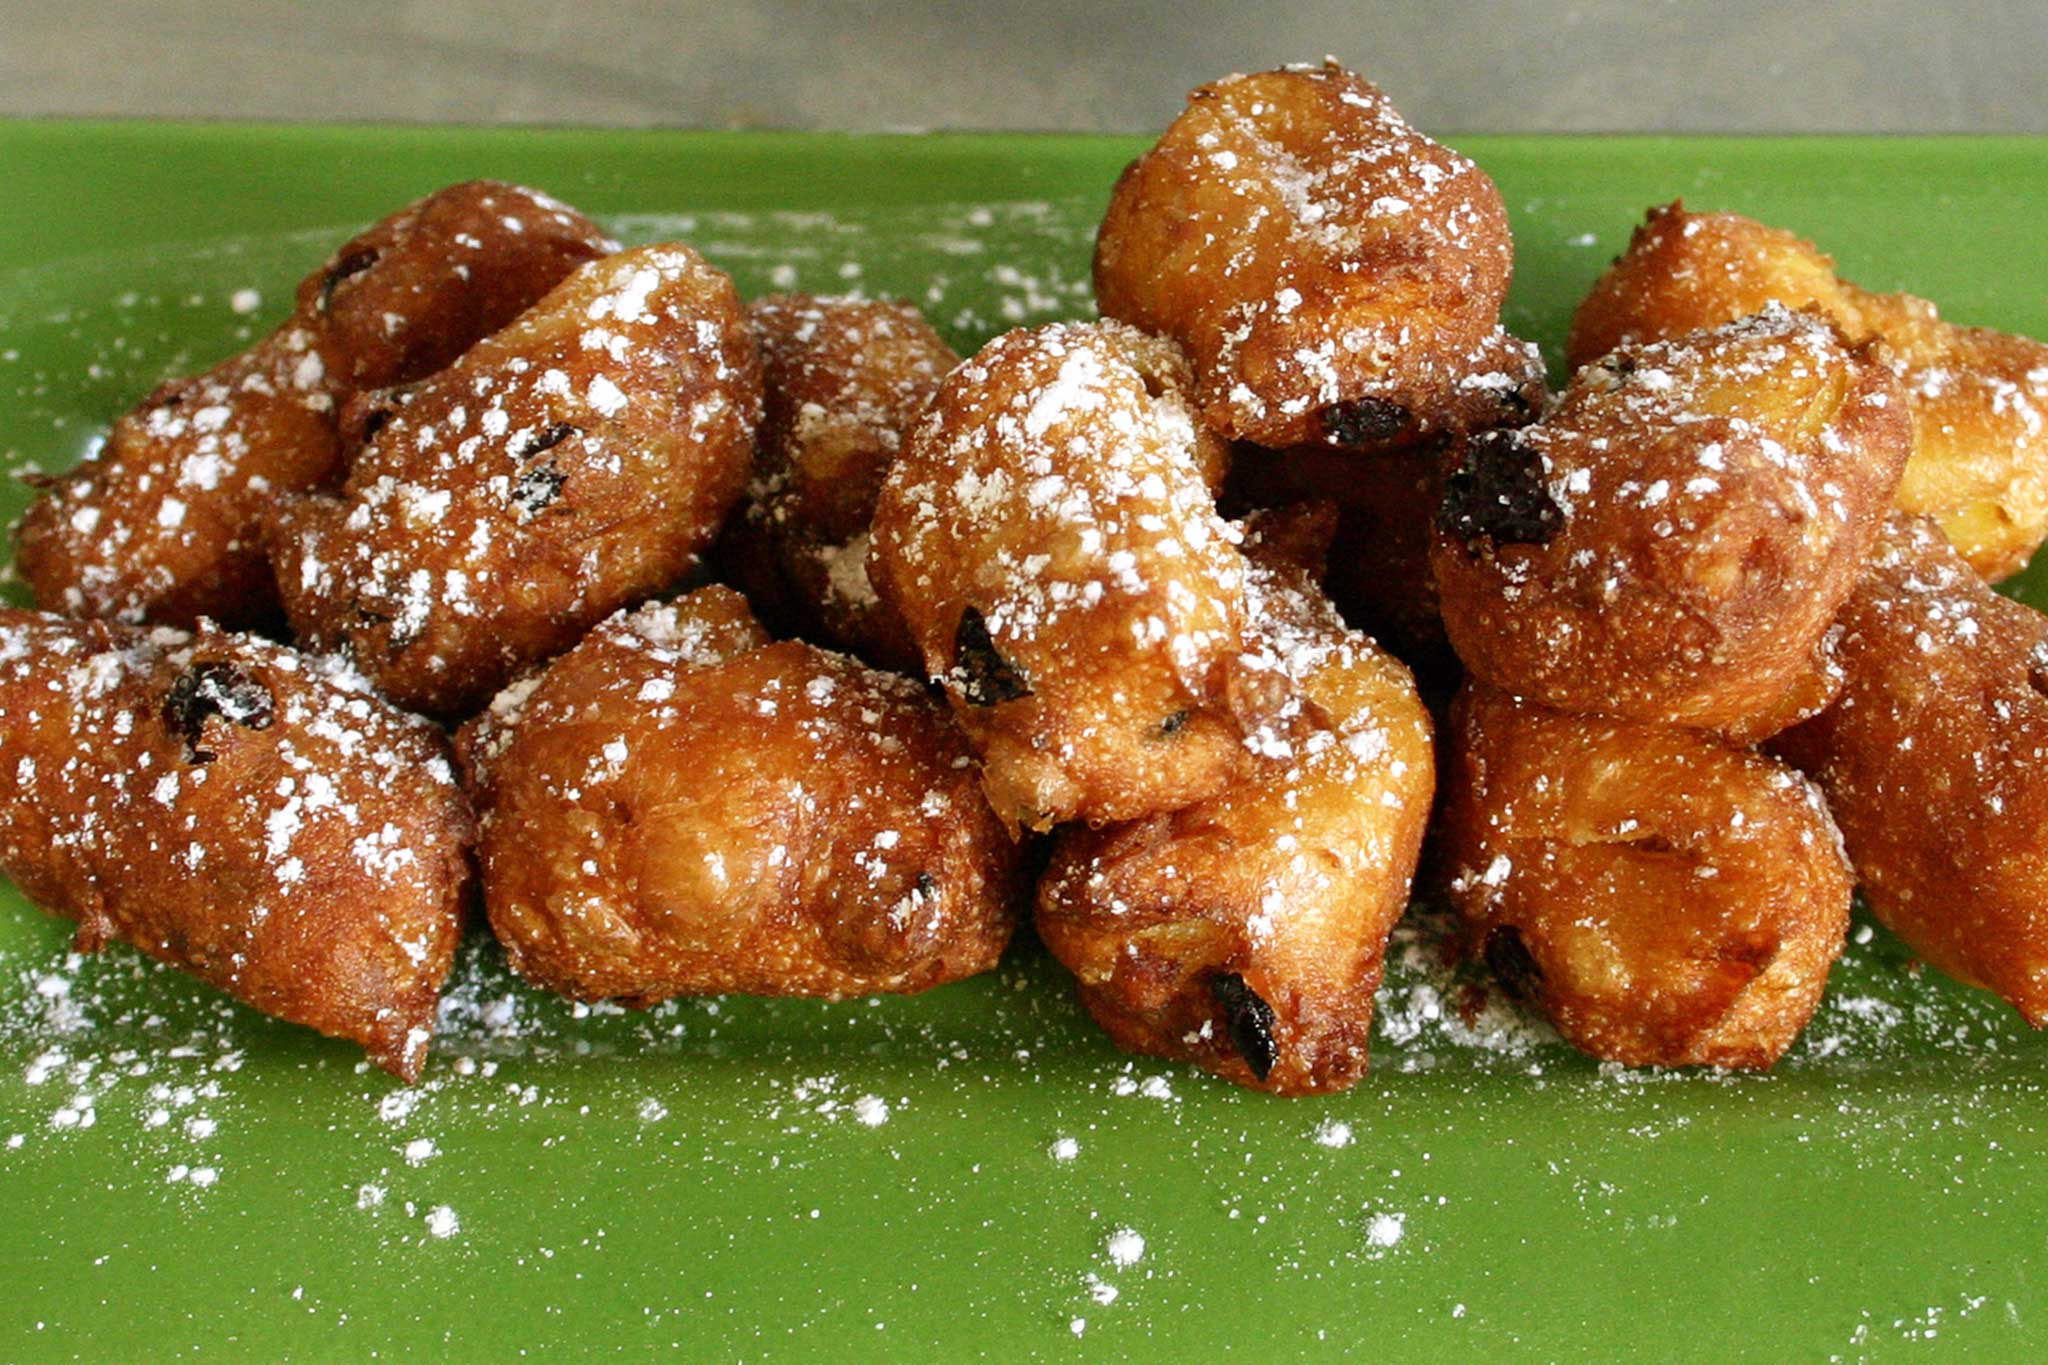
(719, 646)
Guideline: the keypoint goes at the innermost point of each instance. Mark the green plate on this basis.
(970, 1172)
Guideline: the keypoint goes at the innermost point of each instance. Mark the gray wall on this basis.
(1679, 65)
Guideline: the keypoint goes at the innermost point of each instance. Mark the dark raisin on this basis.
(1362, 421)
(926, 885)
(537, 487)
(1174, 723)
(1515, 406)
(2037, 675)
(374, 422)
(355, 263)
(546, 439)
(984, 677)
(1497, 491)
(1249, 1021)
(215, 689)
(1511, 962)
(1620, 366)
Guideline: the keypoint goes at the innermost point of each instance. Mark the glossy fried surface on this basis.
(254, 816)
(844, 380)
(577, 460)
(1935, 763)
(1671, 541)
(1328, 268)
(1663, 898)
(1247, 933)
(1978, 398)
(1048, 538)
(164, 522)
(678, 806)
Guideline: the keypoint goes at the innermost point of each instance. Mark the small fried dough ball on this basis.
(577, 460)
(844, 380)
(1671, 541)
(677, 806)
(1048, 539)
(1328, 268)
(163, 523)
(1248, 933)
(1935, 763)
(1663, 898)
(254, 816)
(1978, 398)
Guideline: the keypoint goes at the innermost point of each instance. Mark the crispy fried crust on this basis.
(1328, 268)
(251, 815)
(845, 379)
(1048, 538)
(1671, 541)
(1247, 933)
(1664, 898)
(1978, 398)
(577, 460)
(1935, 763)
(164, 522)
(677, 806)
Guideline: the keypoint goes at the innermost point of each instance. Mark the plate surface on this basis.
(960, 1174)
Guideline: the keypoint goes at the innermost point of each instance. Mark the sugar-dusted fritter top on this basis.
(1247, 933)
(677, 806)
(1049, 540)
(578, 459)
(844, 379)
(1663, 898)
(1328, 267)
(1671, 541)
(163, 523)
(252, 815)
(1935, 763)
(1978, 398)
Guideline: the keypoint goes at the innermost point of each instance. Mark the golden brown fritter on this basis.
(254, 816)
(164, 522)
(844, 380)
(1935, 763)
(677, 806)
(1671, 541)
(1978, 398)
(1663, 898)
(1247, 933)
(1047, 537)
(1329, 269)
(1379, 573)
(573, 462)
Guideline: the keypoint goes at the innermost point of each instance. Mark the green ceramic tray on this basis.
(947, 1177)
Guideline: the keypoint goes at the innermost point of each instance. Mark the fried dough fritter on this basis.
(254, 816)
(164, 522)
(677, 806)
(577, 460)
(1670, 543)
(1935, 763)
(845, 379)
(1247, 933)
(1663, 898)
(1328, 268)
(1048, 539)
(1978, 398)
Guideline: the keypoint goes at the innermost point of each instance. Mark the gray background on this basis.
(1650, 65)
